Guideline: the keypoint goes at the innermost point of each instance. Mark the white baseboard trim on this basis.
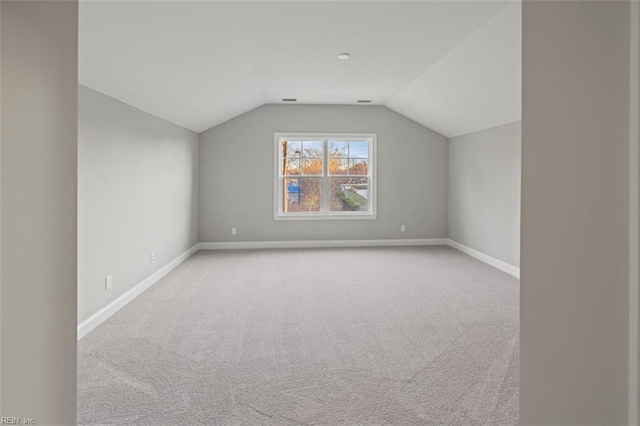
(121, 301)
(499, 264)
(321, 243)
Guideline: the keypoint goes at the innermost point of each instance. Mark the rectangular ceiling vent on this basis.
(289, 99)
(364, 101)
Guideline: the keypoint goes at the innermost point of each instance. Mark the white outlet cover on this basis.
(108, 282)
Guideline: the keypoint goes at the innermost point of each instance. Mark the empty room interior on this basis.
(310, 173)
(317, 212)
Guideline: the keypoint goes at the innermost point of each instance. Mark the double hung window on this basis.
(325, 176)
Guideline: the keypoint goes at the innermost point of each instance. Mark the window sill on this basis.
(303, 216)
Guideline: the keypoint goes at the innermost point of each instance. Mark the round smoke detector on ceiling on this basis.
(344, 56)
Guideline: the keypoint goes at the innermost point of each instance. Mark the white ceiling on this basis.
(475, 86)
(453, 66)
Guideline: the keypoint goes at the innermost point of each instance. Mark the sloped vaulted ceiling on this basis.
(453, 66)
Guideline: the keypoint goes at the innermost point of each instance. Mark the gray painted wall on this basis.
(1, 208)
(237, 169)
(484, 191)
(574, 263)
(634, 214)
(634, 222)
(137, 194)
(39, 175)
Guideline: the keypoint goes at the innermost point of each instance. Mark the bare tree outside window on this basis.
(302, 158)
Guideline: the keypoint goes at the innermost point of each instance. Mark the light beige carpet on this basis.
(358, 336)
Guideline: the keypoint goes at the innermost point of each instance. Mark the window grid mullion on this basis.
(324, 204)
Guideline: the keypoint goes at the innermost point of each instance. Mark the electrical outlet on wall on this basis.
(108, 282)
(402, 228)
(234, 231)
(152, 257)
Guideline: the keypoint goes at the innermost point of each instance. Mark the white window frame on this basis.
(324, 214)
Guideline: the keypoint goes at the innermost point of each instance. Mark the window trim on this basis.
(278, 214)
